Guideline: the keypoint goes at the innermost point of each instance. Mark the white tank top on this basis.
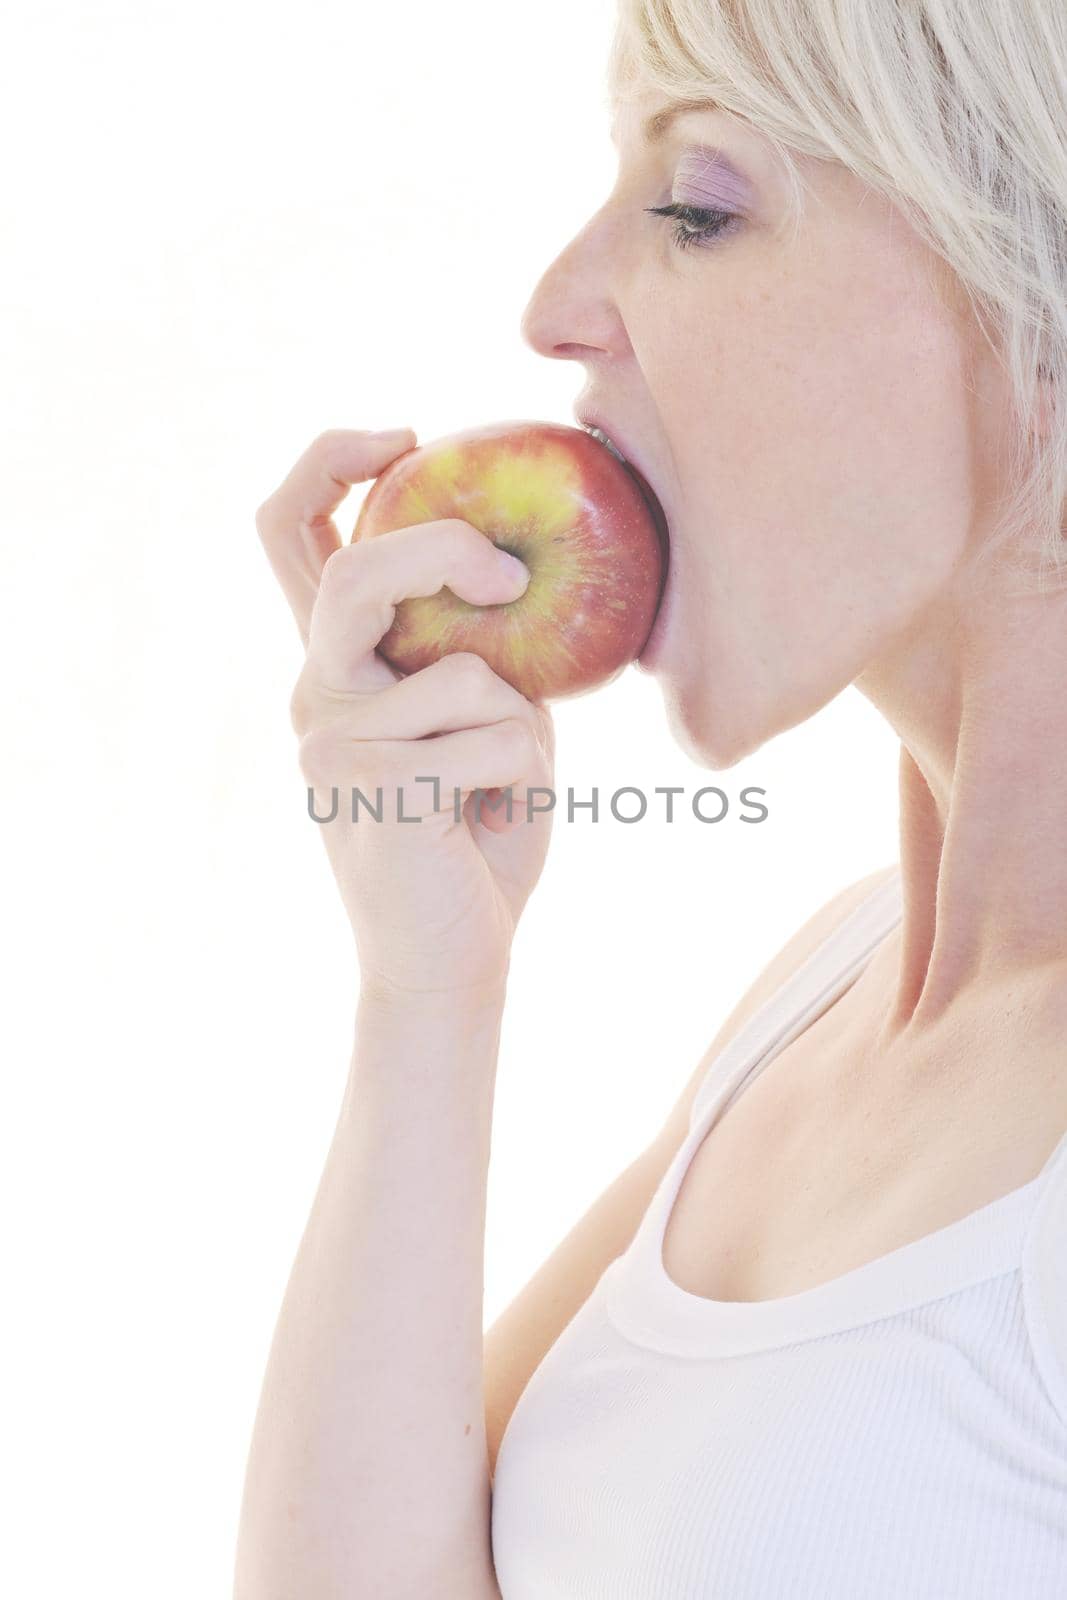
(897, 1433)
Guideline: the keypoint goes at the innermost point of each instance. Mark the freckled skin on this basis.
(560, 501)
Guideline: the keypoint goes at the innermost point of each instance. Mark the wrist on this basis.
(383, 997)
(438, 1041)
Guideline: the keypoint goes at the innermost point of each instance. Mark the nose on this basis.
(571, 315)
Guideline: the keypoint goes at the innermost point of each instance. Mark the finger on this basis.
(495, 814)
(363, 583)
(425, 778)
(296, 523)
(458, 691)
(492, 810)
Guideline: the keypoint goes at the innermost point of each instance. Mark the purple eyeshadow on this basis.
(710, 180)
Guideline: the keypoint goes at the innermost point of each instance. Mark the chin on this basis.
(716, 717)
(700, 728)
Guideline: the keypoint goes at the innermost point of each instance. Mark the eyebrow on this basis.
(656, 127)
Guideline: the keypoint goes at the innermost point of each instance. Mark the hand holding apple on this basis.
(572, 511)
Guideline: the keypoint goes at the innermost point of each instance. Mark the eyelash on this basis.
(694, 224)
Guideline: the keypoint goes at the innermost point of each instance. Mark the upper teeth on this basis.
(598, 433)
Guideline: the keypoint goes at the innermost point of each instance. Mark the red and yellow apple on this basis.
(590, 531)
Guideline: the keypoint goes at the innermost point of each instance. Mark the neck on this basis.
(978, 696)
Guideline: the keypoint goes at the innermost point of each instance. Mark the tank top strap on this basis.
(819, 980)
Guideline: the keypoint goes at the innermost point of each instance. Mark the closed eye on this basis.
(694, 224)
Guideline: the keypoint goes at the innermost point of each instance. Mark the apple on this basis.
(587, 526)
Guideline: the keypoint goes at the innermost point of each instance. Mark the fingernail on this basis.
(514, 567)
(389, 433)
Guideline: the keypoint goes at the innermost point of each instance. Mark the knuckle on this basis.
(460, 538)
(330, 755)
(517, 740)
(547, 728)
(341, 564)
(265, 518)
(334, 566)
(317, 754)
(300, 707)
(332, 577)
(469, 671)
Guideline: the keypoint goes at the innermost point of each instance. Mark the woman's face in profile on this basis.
(814, 407)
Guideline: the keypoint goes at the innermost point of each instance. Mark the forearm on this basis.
(368, 1474)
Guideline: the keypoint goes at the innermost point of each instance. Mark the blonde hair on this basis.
(956, 110)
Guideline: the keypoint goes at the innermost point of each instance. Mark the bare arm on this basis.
(368, 1476)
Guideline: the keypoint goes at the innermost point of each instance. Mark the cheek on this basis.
(833, 432)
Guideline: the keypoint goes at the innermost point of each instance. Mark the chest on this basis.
(828, 1160)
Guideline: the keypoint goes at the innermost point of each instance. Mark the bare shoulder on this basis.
(778, 970)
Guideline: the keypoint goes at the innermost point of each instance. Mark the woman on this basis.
(824, 311)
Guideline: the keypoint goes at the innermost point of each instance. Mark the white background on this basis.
(225, 229)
